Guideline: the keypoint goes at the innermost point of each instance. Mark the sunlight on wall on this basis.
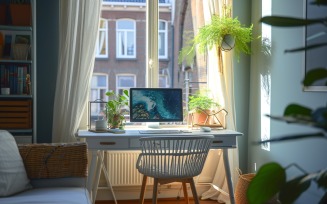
(265, 78)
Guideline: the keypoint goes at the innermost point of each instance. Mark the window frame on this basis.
(125, 31)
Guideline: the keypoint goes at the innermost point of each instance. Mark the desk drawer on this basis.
(224, 141)
(108, 144)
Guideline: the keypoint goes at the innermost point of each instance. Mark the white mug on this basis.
(5, 91)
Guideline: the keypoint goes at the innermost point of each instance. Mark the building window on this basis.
(162, 39)
(101, 49)
(163, 81)
(125, 81)
(99, 87)
(126, 39)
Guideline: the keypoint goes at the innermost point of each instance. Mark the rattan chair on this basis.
(172, 159)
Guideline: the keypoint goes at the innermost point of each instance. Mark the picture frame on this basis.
(315, 34)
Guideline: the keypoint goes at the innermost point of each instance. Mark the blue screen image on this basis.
(150, 105)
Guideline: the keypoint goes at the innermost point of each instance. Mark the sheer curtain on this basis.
(220, 81)
(79, 23)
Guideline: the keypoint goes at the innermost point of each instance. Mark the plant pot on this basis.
(117, 122)
(201, 117)
(228, 43)
(21, 14)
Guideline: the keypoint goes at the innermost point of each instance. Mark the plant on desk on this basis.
(200, 105)
(116, 109)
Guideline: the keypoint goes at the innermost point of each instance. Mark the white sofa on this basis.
(56, 174)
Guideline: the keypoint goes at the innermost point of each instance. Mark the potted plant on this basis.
(272, 178)
(224, 32)
(200, 105)
(116, 109)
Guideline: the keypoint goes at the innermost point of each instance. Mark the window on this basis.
(125, 43)
(125, 81)
(163, 81)
(101, 49)
(162, 39)
(99, 87)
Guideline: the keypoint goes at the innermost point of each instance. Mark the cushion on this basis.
(62, 195)
(13, 177)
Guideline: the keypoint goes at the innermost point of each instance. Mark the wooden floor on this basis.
(160, 201)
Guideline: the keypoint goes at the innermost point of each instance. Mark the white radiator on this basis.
(122, 170)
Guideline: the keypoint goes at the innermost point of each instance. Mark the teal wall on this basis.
(286, 71)
(242, 10)
(47, 63)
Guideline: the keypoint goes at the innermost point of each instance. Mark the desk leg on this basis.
(97, 176)
(92, 171)
(228, 176)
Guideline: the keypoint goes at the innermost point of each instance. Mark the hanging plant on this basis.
(226, 33)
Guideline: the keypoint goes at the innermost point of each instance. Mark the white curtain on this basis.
(79, 24)
(220, 80)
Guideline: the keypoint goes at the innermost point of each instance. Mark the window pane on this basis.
(94, 82)
(163, 81)
(102, 81)
(125, 24)
(161, 44)
(103, 24)
(121, 43)
(130, 43)
(162, 25)
(125, 81)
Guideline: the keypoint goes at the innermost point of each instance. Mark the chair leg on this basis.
(155, 191)
(185, 192)
(145, 178)
(195, 195)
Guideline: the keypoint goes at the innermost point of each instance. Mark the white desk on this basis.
(99, 142)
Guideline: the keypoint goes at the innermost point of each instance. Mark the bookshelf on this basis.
(18, 77)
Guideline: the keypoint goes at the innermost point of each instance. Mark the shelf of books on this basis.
(15, 79)
(17, 69)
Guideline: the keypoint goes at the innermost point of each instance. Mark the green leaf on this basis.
(314, 75)
(294, 188)
(267, 183)
(294, 137)
(110, 93)
(126, 92)
(289, 22)
(322, 179)
(320, 2)
(309, 47)
(297, 110)
(323, 200)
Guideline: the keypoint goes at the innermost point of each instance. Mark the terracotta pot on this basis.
(200, 117)
(21, 14)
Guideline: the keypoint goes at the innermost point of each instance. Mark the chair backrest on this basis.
(173, 157)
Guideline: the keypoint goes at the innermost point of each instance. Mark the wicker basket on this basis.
(54, 160)
(241, 188)
(20, 51)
